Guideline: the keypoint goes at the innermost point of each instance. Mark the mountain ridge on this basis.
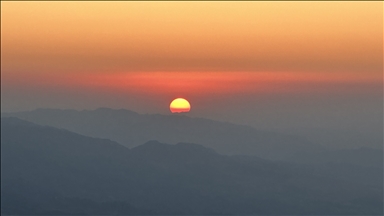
(132, 129)
(47, 162)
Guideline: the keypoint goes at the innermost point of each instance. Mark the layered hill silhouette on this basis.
(132, 129)
(46, 170)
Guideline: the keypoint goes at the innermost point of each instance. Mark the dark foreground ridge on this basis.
(46, 170)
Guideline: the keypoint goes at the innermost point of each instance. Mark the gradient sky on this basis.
(267, 64)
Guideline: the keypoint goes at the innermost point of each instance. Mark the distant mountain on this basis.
(53, 171)
(132, 129)
(46, 170)
(366, 157)
(339, 139)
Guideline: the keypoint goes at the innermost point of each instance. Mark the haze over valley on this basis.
(192, 108)
(54, 171)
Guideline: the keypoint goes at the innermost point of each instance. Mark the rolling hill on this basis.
(132, 129)
(46, 170)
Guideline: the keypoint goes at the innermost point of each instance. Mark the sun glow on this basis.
(179, 105)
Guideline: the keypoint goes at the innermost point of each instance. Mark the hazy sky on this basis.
(267, 64)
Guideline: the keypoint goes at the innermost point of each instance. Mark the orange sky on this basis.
(192, 48)
(69, 37)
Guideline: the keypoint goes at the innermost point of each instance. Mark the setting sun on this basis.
(280, 90)
(179, 105)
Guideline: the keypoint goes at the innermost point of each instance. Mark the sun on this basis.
(179, 105)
